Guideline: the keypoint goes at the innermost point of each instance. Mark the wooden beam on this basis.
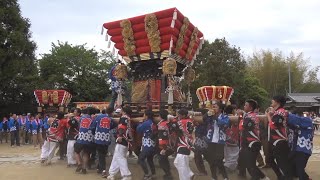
(197, 118)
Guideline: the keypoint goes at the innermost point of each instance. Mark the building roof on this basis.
(305, 97)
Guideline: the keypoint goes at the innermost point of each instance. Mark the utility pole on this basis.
(289, 69)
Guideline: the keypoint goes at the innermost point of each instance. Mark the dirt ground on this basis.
(22, 163)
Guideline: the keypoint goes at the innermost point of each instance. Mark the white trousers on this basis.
(231, 154)
(182, 164)
(70, 152)
(48, 149)
(119, 161)
(112, 145)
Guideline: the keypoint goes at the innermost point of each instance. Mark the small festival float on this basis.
(52, 101)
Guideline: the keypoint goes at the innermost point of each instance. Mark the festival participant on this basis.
(73, 130)
(22, 133)
(36, 131)
(117, 86)
(119, 160)
(264, 141)
(231, 149)
(149, 129)
(85, 140)
(104, 124)
(55, 134)
(164, 127)
(28, 129)
(45, 126)
(277, 137)
(250, 140)
(14, 130)
(113, 133)
(185, 143)
(300, 143)
(5, 128)
(200, 145)
(93, 153)
(217, 125)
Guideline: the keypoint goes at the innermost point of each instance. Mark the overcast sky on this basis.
(289, 25)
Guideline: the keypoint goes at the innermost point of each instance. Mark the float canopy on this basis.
(157, 35)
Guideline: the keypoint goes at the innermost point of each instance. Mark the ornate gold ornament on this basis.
(121, 72)
(193, 40)
(151, 27)
(45, 97)
(169, 66)
(128, 38)
(182, 33)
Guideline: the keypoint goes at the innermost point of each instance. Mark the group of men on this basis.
(224, 143)
(23, 129)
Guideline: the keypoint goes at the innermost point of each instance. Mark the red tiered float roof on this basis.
(52, 97)
(170, 24)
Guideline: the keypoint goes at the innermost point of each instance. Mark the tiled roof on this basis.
(305, 97)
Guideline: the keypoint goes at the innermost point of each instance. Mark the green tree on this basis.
(312, 85)
(252, 89)
(220, 63)
(272, 70)
(18, 73)
(80, 70)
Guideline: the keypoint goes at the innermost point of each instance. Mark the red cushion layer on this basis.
(145, 42)
(146, 49)
(141, 27)
(143, 35)
(165, 14)
(140, 19)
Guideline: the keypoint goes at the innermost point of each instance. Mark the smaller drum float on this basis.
(52, 101)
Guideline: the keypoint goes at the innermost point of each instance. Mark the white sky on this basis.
(287, 25)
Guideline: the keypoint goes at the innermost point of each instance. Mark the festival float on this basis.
(159, 49)
(52, 101)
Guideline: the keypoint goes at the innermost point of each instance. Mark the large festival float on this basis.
(159, 49)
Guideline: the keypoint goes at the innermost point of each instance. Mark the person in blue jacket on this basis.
(45, 126)
(116, 86)
(102, 136)
(14, 130)
(22, 131)
(216, 137)
(28, 129)
(36, 131)
(85, 140)
(149, 129)
(300, 139)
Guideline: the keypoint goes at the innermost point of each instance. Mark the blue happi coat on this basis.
(148, 140)
(217, 128)
(104, 124)
(300, 134)
(13, 125)
(36, 126)
(45, 123)
(87, 130)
